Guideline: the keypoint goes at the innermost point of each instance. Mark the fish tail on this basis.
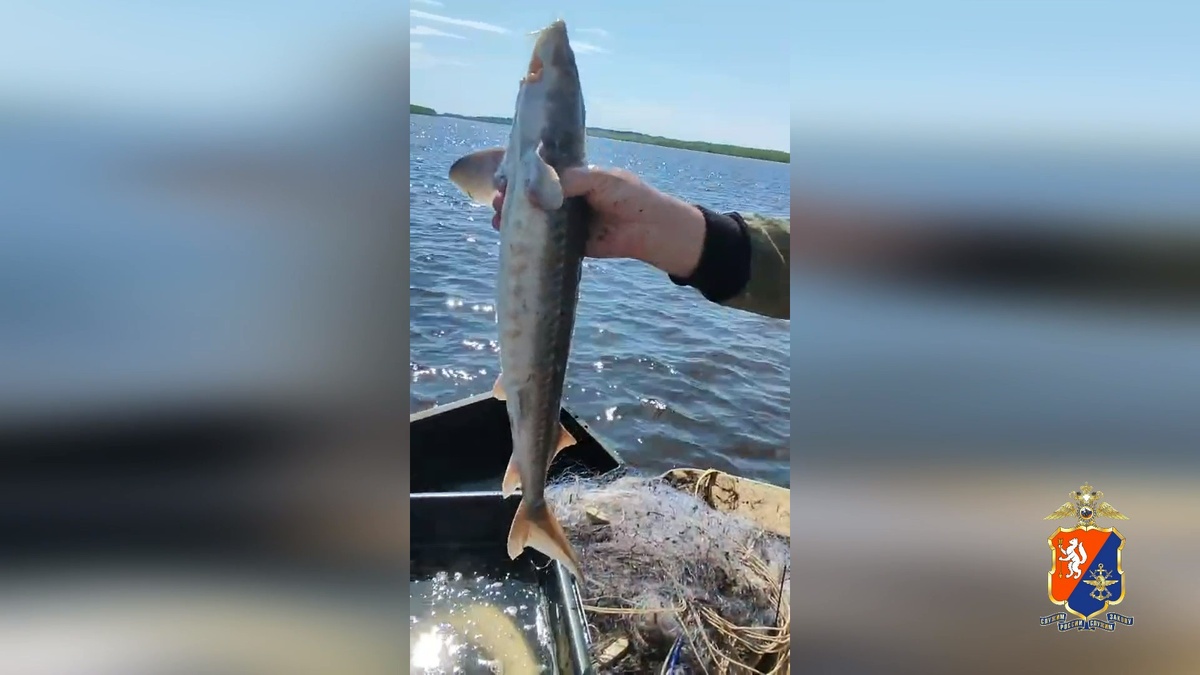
(535, 527)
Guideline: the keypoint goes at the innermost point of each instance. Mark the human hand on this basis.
(633, 219)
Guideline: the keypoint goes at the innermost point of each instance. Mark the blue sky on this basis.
(730, 72)
(1097, 69)
(681, 69)
(216, 57)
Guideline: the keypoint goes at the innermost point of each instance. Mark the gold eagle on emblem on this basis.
(1085, 505)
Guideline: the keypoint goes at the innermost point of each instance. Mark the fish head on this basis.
(549, 115)
(550, 107)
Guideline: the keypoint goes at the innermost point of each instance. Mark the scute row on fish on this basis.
(542, 240)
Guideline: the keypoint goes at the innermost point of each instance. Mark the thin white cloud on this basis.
(420, 58)
(598, 32)
(427, 30)
(587, 48)
(463, 23)
(431, 3)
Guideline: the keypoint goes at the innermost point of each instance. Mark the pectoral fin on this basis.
(534, 526)
(477, 174)
(512, 476)
(541, 182)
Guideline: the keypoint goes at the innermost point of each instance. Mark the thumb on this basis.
(578, 181)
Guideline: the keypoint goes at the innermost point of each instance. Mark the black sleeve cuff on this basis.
(724, 266)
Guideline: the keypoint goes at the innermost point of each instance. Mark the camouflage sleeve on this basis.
(768, 290)
(744, 263)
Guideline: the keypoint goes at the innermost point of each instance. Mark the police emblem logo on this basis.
(1085, 575)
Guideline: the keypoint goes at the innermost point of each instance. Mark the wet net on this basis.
(665, 569)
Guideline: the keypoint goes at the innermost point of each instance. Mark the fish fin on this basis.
(478, 174)
(565, 440)
(537, 528)
(498, 390)
(542, 183)
(512, 478)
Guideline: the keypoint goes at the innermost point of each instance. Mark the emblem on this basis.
(1085, 575)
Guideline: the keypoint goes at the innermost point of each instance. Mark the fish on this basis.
(543, 236)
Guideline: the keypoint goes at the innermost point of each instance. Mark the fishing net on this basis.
(665, 569)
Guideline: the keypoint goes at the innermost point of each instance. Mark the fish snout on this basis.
(552, 50)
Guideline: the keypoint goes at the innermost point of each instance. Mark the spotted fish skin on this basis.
(542, 241)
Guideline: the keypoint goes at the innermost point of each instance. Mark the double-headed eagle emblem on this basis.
(1085, 505)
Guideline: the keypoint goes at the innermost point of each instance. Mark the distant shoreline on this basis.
(635, 137)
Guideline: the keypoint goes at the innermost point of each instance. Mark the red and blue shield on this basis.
(1085, 573)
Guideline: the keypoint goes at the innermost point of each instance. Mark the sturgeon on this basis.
(542, 241)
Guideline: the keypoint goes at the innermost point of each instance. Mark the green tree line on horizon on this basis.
(635, 137)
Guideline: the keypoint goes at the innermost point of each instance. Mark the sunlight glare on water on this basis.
(468, 624)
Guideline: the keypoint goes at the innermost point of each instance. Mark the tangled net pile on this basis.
(660, 563)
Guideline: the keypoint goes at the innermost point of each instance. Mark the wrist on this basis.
(723, 268)
(673, 241)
